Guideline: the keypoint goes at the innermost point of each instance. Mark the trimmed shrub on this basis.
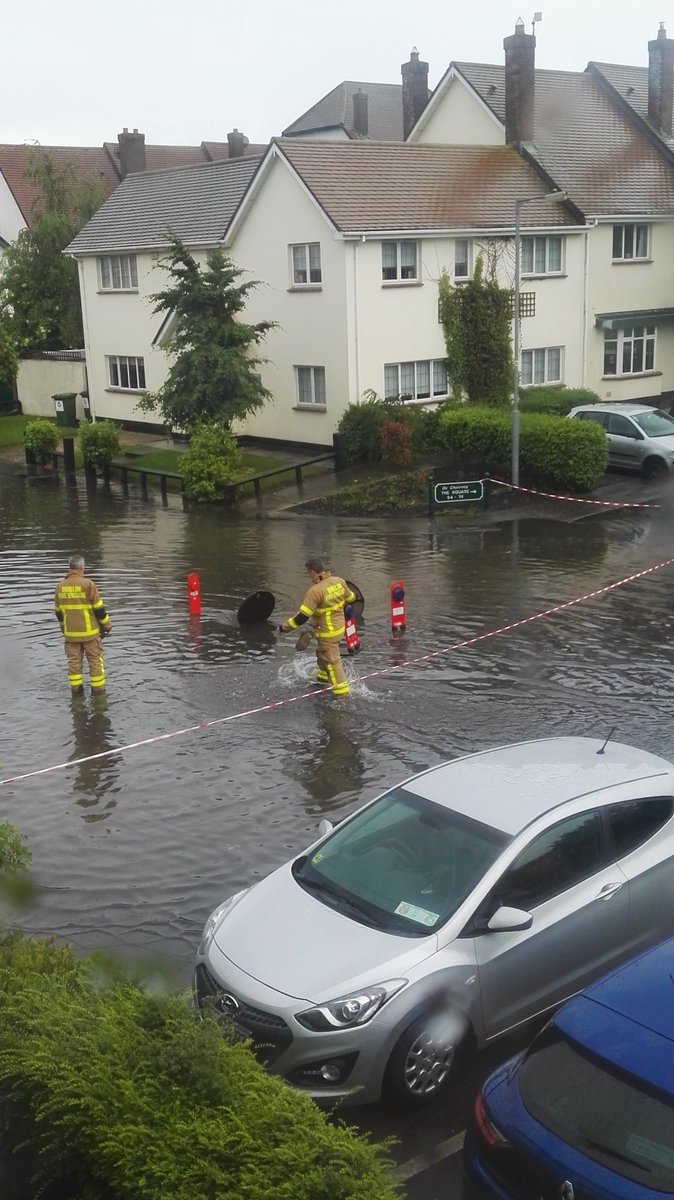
(128, 1096)
(553, 450)
(99, 443)
(212, 461)
(41, 438)
(361, 426)
(556, 401)
(395, 439)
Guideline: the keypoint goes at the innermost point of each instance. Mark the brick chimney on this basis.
(360, 113)
(237, 143)
(661, 81)
(415, 91)
(520, 54)
(131, 152)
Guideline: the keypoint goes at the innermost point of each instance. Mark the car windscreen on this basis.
(404, 864)
(655, 423)
(612, 1117)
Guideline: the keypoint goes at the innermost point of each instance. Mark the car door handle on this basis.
(608, 890)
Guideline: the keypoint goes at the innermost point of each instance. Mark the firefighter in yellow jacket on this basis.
(323, 605)
(84, 621)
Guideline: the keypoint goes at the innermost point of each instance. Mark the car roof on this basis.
(627, 1018)
(508, 787)
(624, 407)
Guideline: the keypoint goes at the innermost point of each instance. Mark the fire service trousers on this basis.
(75, 652)
(330, 669)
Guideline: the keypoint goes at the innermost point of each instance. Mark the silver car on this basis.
(445, 913)
(639, 437)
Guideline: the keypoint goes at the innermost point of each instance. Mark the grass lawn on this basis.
(251, 464)
(11, 429)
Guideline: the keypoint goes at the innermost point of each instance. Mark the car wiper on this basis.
(318, 886)
(608, 1150)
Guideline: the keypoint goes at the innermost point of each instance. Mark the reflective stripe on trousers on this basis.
(330, 666)
(75, 652)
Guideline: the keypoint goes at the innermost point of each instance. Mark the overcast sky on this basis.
(75, 72)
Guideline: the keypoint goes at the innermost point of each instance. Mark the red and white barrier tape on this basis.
(515, 487)
(410, 662)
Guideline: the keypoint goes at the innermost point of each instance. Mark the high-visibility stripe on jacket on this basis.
(79, 607)
(323, 605)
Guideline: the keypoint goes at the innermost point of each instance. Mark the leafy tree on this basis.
(39, 288)
(214, 375)
(476, 323)
(9, 353)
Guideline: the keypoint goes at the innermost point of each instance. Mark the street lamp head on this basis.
(558, 197)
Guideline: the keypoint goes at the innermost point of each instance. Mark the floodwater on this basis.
(131, 852)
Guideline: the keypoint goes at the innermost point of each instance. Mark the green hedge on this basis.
(122, 1095)
(553, 450)
(556, 401)
(361, 425)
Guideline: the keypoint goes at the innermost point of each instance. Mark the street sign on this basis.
(450, 493)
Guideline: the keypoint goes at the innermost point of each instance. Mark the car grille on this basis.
(523, 1179)
(270, 1034)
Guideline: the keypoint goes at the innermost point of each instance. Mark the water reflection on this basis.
(95, 783)
(329, 757)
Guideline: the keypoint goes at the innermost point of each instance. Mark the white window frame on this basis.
(110, 265)
(398, 267)
(120, 366)
(461, 258)
(528, 366)
(421, 367)
(317, 404)
(628, 337)
(632, 239)
(534, 242)
(303, 250)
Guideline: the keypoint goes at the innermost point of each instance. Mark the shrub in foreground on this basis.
(211, 462)
(129, 1096)
(99, 443)
(41, 439)
(553, 450)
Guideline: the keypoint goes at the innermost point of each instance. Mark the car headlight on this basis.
(348, 1011)
(216, 917)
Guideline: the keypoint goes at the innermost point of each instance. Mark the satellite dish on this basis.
(256, 608)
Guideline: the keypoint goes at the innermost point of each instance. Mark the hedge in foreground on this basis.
(128, 1096)
(553, 450)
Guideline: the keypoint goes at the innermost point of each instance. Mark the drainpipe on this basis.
(586, 307)
(85, 327)
(356, 330)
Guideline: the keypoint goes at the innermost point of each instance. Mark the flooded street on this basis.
(132, 852)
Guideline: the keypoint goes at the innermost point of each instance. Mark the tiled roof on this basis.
(90, 162)
(592, 149)
(163, 158)
(630, 82)
(196, 203)
(384, 111)
(378, 186)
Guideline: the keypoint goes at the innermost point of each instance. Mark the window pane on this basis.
(539, 255)
(305, 390)
(124, 372)
(408, 260)
(126, 277)
(133, 271)
(555, 861)
(641, 249)
(407, 379)
(610, 354)
(628, 244)
(391, 387)
(460, 258)
(634, 822)
(649, 362)
(314, 263)
(440, 378)
(423, 380)
(527, 263)
(105, 272)
(141, 372)
(116, 273)
(133, 373)
(527, 367)
(299, 264)
(114, 372)
(319, 385)
(554, 254)
(539, 366)
(554, 364)
(389, 260)
(617, 241)
(638, 352)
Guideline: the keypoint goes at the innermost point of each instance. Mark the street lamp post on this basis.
(558, 197)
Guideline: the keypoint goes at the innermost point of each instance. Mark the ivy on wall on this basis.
(475, 319)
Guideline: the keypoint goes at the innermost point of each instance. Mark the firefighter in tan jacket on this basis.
(83, 620)
(323, 605)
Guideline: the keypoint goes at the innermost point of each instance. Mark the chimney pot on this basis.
(520, 58)
(415, 91)
(131, 152)
(661, 81)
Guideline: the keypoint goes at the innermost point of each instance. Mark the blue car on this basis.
(587, 1112)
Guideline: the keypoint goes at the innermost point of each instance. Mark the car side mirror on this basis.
(507, 920)
(325, 827)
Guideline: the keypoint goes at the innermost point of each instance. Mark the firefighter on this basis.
(84, 621)
(323, 605)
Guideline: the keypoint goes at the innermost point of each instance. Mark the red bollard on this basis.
(194, 594)
(350, 632)
(398, 617)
